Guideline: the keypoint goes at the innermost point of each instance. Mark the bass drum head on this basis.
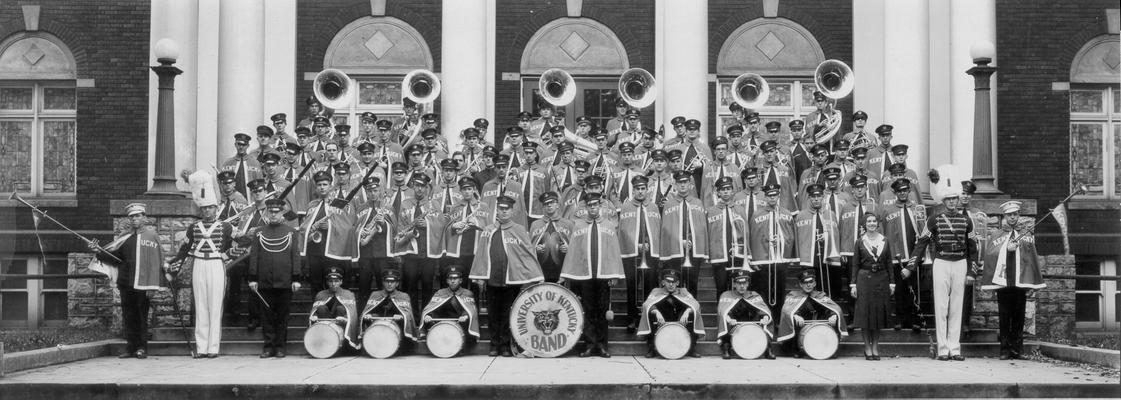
(819, 340)
(445, 339)
(323, 339)
(672, 340)
(546, 320)
(382, 339)
(749, 341)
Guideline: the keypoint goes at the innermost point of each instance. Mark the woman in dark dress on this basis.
(871, 272)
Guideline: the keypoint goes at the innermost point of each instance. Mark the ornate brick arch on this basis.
(36, 56)
(770, 46)
(1097, 61)
(580, 46)
(378, 45)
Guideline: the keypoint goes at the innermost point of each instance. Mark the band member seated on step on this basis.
(805, 305)
(391, 303)
(669, 303)
(336, 303)
(740, 305)
(454, 301)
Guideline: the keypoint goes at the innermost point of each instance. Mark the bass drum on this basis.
(818, 340)
(445, 339)
(749, 340)
(546, 320)
(672, 340)
(323, 339)
(382, 339)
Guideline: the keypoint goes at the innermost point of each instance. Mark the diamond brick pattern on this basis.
(379, 44)
(770, 45)
(574, 46)
(34, 54)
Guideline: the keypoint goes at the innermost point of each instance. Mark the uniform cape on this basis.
(804, 226)
(466, 299)
(794, 301)
(729, 299)
(564, 229)
(893, 227)
(338, 242)
(522, 266)
(848, 229)
(434, 233)
(629, 224)
(672, 244)
(718, 249)
(149, 259)
(768, 225)
(1025, 261)
(577, 264)
(402, 303)
(346, 298)
(682, 295)
(452, 241)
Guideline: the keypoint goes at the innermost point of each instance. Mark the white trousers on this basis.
(209, 281)
(948, 278)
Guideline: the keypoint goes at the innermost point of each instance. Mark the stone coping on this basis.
(11, 362)
(1081, 354)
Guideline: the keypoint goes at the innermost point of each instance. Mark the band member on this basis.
(207, 241)
(850, 227)
(314, 109)
(620, 188)
(562, 175)
(774, 132)
(904, 222)
(367, 159)
(504, 262)
(271, 174)
(323, 134)
(721, 167)
(434, 149)
(244, 234)
(639, 244)
(502, 186)
(754, 137)
(603, 160)
(299, 196)
(772, 172)
(472, 149)
(142, 257)
(824, 122)
(327, 232)
(872, 283)
(407, 127)
(391, 303)
(738, 150)
(833, 198)
(274, 274)
(419, 241)
(879, 157)
(859, 137)
(417, 166)
(541, 126)
(398, 189)
(816, 173)
(584, 127)
(264, 143)
(727, 234)
(531, 181)
(375, 240)
(771, 247)
(337, 305)
(800, 157)
(593, 184)
(232, 201)
(981, 234)
(661, 178)
(948, 235)
(739, 305)
(1012, 269)
(550, 153)
(453, 301)
(645, 149)
(817, 242)
(482, 126)
(515, 138)
(684, 231)
(805, 304)
(594, 268)
(466, 219)
(695, 156)
(551, 236)
(486, 171)
(669, 303)
(860, 165)
(840, 157)
(280, 124)
(616, 124)
(895, 173)
(245, 168)
(570, 197)
(750, 198)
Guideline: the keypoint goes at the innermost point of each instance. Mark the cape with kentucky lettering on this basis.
(771, 237)
(806, 229)
(466, 300)
(729, 299)
(849, 228)
(400, 301)
(676, 212)
(433, 232)
(149, 258)
(629, 227)
(720, 250)
(346, 298)
(563, 234)
(682, 295)
(794, 300)
(521, 267)
(339, 243)
(578, 262)
(1001, 255)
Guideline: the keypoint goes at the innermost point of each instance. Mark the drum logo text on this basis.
(549, 320)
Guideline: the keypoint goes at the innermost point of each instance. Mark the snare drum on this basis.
(749, 340)
(445, 339)
(323, 339)
(672, 340)
(382, 339)
(818, 340)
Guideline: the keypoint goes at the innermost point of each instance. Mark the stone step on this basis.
(627, 348)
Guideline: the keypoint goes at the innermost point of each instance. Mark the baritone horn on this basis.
(557, 87)
(834, 79)
(638, 87)
(421, 86)
(750, 91)
(333, 89)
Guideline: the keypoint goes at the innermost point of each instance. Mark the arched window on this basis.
(38, 116)
(1095, 118)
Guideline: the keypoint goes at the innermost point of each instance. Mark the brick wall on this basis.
(1036, 44)
(321, 20)
(830, 22)
(632, 21)
(109, 41)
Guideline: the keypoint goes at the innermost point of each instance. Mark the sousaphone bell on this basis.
(333, 89)
(557, 87)
(834, 79)
(638, 87)
(750, 91)
(421, 86)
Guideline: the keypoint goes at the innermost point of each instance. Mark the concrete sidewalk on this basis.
(619, 377)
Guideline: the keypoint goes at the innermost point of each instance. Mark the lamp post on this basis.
(983, 177)
(163, 183)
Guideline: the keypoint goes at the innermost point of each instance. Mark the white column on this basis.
(241, 58)
(943, 79)
(177, 20)
(206, 106)
(683, 81)
(906, 72)
(971, 21)
(868, 60)
(463, 68)
(280, 61)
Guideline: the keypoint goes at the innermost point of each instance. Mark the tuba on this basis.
(557, 87)
(638, 87)
(750, 91)
(333, 89)
(834, 78)
(421, 86)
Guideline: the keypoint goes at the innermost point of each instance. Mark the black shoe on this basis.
(252, 325)
(586, 353)
(603, 352)
(798, 354)
(1005, 356)
(507, 353)
(126, 355)
(958, 357)
(279, 354)
(141, 354)
(694, 354)
(493, 352)
(943, 358)
(212, 355)
(651, 353)
(876, 357)
(725, 352)
(198, 355)
(266, 353)
(770, 355)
